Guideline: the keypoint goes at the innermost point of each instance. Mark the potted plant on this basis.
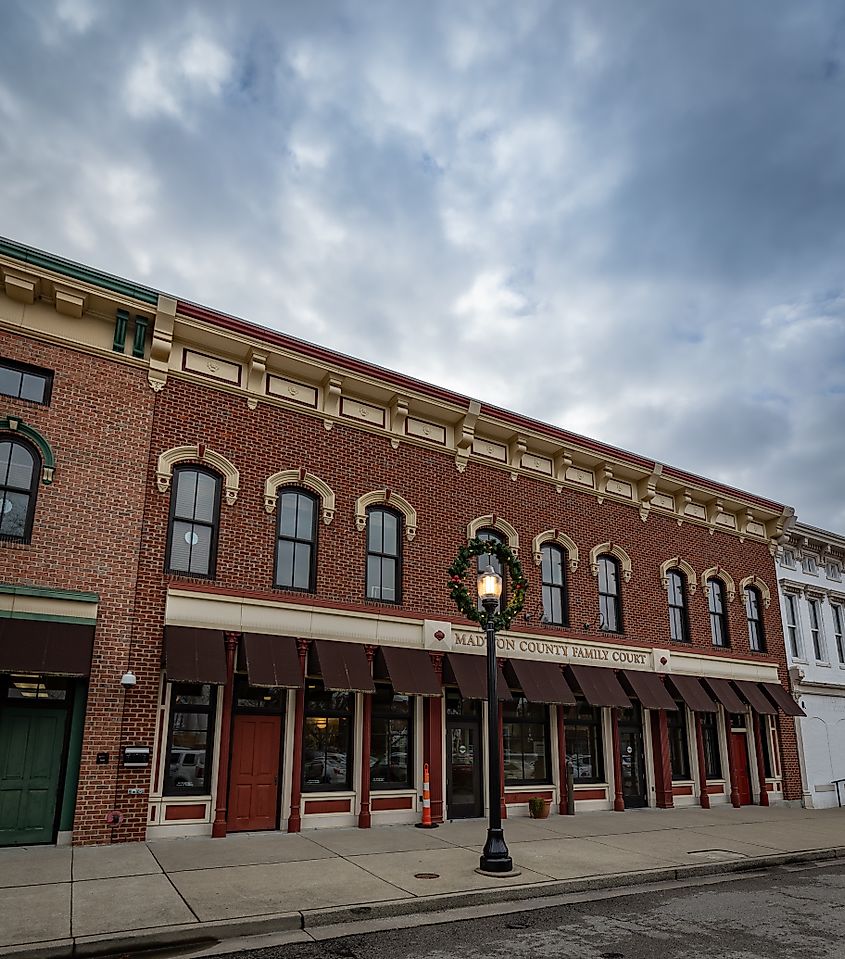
(539, 807)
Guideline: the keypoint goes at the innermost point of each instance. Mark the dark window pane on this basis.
(284, 563)
(186, 491)
(374, 577)
(305, 518)
(32, 388)
(287, 514)
(302, 566)
(391, 533)
(389, 753)
(326, 755)
(388, 579)
(10, 381)
(375, 540)
(206, 497)
(21, 464)
(13, 512)
(678, 743)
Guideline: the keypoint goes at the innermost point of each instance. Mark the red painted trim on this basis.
(364, 818)
(392, 802)
(682, 790)
(326, 805)
(589, 794)
(524, 797)
(174, 813)
(323, 355)
(716, 790)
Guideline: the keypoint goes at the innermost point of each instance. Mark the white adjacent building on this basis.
(811, 582)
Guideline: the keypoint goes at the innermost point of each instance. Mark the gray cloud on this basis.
(626, 219)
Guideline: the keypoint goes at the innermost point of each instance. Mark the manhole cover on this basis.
(426, 875)
(715, 855)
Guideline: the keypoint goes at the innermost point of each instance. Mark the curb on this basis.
(207, 934)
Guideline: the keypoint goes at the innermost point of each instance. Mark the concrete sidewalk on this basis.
(96, 899)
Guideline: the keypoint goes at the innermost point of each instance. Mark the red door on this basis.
(740, 767)
(254, 777)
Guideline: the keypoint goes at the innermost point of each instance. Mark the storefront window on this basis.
(525, 732)
(584, 750)
(326, 739)
(30, 689)
(678, 742)
(390, 739)
(190, 739)
(712, 756)
(258, 699)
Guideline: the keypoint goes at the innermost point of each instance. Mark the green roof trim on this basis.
(50, 618)
(46, 592)
(28, 254)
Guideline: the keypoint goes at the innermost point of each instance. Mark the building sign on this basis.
(555, 651)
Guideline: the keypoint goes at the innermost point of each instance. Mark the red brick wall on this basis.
(87, 528)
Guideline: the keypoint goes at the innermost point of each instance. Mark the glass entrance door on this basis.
(634, 787)
(464, 798)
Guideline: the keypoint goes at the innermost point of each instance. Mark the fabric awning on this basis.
(649, 690)
(755, 698)
(470, 674)
(693, 693)
(344, 666)
(723, 691)
(410, 671)
(540, 682)
(42, 646)
(272, 661)
(781, 698)
(599, 686)
(194, 655)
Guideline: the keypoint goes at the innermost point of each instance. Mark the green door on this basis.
(31, 742)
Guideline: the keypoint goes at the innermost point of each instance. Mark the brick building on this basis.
(267, 527)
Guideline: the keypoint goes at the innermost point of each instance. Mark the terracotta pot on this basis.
(541, 813)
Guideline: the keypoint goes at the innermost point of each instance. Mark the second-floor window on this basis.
(718, 615)
(296, 546)
(678, 618)
(610, 609)
(553, 573)
(194, 521)
(19, 469)
(24, 382)
(816, 630)
(756, 636)
(838, 620)
(792, 633)
(384, 555)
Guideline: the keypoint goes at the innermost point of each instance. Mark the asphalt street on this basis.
(785, 913)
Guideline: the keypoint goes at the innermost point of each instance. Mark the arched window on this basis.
(756, 635)
(718, 616)
(553, 574)
(194, 521)
(19, 470)
(384, 555)
(489, 534)
(610, 610)
(678, 615)
(296, 540)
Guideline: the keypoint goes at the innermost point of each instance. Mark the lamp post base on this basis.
(495, 856)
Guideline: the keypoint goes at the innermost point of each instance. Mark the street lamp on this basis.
(495, 857)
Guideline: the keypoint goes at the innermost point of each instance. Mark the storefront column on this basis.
(619, 799)
(218, 829)
(433, 742)
(563, 806)
(703, 795)
(295, 817)
(662, 759)
(735, 800)
(761, 766)
(504, 807)
(364, 817)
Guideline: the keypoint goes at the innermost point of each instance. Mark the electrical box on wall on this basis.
(136, 756)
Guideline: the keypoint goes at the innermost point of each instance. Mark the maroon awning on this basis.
(540, 682)
(42, 646)
(755, 698)
(723, 691)
(470, 674)
(599, 686)
(272, 661)
(409, 670)
(344, 666)
(781, 698)
(649, 690)
(693, 693)
(194, 655)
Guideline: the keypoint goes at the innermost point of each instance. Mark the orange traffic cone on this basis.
(426, 812)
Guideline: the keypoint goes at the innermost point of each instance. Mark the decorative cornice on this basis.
(615, 550)
(493, 521)
(299, 478)
(555, 536)
(677, 563)
(14, 424)
(198, 454)
(386, 497)
(717, 572)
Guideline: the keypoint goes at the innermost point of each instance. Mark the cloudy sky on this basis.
(625, 218)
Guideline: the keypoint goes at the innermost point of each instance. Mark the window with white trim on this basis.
(816, 630)
(788, 559)
(810, 565)
(834, 571)
(838, 620)
(793, 633)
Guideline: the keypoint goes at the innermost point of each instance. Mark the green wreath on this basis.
(461, 595)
